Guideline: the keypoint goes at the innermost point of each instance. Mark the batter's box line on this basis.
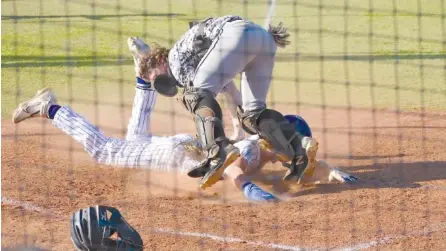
(228, 239)
(388, 239)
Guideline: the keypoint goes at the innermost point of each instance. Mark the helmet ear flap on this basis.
(78, 230)
(126, 233)
(103, 228)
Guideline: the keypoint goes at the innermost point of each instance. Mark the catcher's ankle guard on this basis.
(200, 170)
(296, 169)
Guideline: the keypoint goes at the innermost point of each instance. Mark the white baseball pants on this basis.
(140, 149)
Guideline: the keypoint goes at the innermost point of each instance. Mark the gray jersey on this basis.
(183, 59)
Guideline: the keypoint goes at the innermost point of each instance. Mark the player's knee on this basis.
(209, 105)
(250, 120)
(202, 103)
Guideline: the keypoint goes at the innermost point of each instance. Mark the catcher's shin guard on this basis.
(305, 164)
(208, 120)
(282, 138)
(272, 126)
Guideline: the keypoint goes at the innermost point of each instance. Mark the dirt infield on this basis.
(399, 203)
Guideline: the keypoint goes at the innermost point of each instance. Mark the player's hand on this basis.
(340, 176)
(139, 49)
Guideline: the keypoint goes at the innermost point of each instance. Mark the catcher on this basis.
(203, 62)
(141, 149)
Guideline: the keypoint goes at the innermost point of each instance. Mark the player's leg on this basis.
(160, 153)
(37, 106)
(251, 191)
(233, 100)
(145, 97)
(282, 138)
(252, 159)
(210, 131)
(270, 124)
(225, 59)
(44, 105)
(244, 46)
(222, 62)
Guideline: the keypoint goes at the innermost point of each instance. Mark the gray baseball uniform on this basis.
(237, 46)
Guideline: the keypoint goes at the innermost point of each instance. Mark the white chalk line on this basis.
(360, 246)
(388, 239)
(31, 207)
(232, 240)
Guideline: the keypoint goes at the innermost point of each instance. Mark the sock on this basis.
(143, 85)
(247, 183)
(53, 110)
(255, 193)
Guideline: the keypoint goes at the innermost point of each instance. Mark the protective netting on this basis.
(369, 77)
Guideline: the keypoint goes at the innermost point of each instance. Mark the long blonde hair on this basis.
(280, 35)
(157, 56)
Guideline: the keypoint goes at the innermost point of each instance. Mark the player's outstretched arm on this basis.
(139, 123)
(145, 97)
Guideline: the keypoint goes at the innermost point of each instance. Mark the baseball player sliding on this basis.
(203, 62)
(142, 149)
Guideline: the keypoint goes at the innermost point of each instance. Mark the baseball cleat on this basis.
(268, 147)
(228, 155)
(340, 176)
(139, 49)
(35, 107)
(305, 164)
(311, 146)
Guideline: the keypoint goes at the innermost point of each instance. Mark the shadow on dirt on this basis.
(382, 175)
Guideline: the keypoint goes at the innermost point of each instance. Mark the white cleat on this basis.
(139, 49)
(37, 106)
(342, 177)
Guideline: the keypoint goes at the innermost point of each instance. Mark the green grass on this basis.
(80, 50)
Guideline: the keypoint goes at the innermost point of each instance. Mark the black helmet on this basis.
(103, 228)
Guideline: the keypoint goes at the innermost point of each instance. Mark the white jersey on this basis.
(250, 151)
(141, 149)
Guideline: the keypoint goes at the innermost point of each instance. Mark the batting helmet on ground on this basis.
(103, 228)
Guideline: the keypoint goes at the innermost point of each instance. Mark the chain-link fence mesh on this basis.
(369, 77)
